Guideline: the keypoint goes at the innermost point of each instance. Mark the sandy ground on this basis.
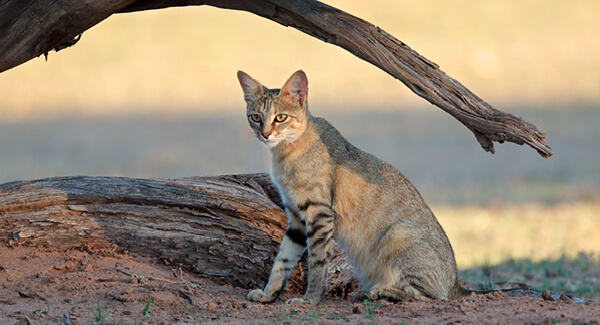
(43, 286)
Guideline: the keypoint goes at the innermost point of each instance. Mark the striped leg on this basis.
(320, 234)
(291, 249)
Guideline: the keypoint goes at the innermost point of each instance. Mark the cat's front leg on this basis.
(320, 234)
(291, 249)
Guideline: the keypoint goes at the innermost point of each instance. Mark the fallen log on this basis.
(225, 228)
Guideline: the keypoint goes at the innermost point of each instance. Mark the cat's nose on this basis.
(266, 135)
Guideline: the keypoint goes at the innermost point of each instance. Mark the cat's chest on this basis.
(302, 180)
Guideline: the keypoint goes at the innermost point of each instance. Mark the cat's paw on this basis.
(361, 295)
(259, 295)
(390, 294)
(306, 300)
(297, 301)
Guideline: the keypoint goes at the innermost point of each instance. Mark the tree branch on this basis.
(58, 25)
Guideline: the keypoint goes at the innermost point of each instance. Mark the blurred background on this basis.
(155, 94)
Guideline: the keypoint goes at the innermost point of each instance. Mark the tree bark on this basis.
(225, 228)
(32, 28)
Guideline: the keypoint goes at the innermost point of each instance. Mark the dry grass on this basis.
(489, 235)
(545, 246)
(576, 274)
(508, 52)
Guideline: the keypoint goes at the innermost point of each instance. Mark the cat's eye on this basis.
(255, 117)
(280, 118)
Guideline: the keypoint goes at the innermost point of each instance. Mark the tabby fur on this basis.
(331, 189)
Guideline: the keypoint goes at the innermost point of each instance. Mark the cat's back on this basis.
(349, 159)
(341, 151)
(365, 183)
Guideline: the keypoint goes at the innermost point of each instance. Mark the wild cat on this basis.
(331, 189)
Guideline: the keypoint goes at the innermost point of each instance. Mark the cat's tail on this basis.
(458, 291)
(510, 289)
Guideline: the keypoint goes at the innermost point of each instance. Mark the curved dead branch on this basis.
(35, 27)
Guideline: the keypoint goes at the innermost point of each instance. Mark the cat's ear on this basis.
(251, 87)
(296, 88)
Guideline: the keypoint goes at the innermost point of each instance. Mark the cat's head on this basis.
(276, 116)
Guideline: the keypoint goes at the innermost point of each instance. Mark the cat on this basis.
(331, 189)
